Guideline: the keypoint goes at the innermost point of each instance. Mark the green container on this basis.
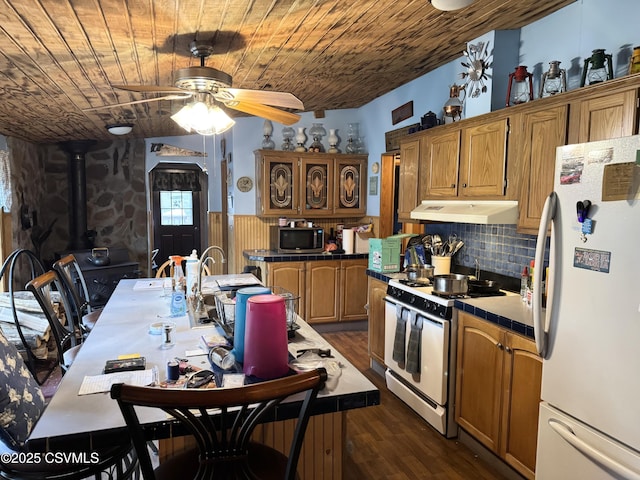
(384, 253)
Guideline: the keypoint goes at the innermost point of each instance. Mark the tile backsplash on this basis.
(498, 248)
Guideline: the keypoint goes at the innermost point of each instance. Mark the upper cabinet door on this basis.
(608, 116)
(277, 184)
(483, 160)
(439, 165)
(316, 178)
(541, 132)
(350, 176)
(408, 191)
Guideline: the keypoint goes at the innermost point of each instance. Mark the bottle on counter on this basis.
(524, 283)
(192, 271)
(178, 301)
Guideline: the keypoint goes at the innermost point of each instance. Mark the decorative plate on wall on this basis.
(244, 184)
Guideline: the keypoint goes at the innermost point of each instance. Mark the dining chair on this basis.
(166, 270)
(222, 421)
(48, 290)
(75, 285)
(21, 404)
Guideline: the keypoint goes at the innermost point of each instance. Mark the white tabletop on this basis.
(123, 328)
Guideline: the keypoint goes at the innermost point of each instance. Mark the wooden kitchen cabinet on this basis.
(353, 291)
(409, 168)
(498, 385)
(464, 160)
(604, 114)
(290, 276)
(439, 165)
(483, 159)
(336, 290)
(376, 292)
(310, 185)
(535, 136)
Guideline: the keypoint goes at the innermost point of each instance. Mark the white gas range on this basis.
(420, 352)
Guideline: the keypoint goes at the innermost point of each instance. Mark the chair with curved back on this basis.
(76, 287)
(223, 436)
(21, 404)
(166, 270)
(45, 287)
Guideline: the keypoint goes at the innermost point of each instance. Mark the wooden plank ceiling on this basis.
(58, 57)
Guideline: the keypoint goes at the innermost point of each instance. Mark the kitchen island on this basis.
(74, 421)
(332, 288)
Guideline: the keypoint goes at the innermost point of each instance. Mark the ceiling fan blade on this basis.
(167, 97)
(276, 99)
(149, 88)
(265, 111)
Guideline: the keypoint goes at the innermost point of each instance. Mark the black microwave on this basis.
(296, 239)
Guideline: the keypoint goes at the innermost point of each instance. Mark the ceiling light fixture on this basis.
(203, 116)
(120, 129)
(449, 5)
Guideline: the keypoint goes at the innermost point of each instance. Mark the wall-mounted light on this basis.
(120, 128)
(203, 116)
(449, 5)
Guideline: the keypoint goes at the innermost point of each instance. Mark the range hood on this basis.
(468, 211)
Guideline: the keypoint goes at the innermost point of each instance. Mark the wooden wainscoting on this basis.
(216, 236)
(251, 232)
(322, 450)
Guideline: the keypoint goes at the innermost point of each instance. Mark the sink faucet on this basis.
(477, 269)
(203, 260)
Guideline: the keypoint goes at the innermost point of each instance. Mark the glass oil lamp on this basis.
(287, 139)
(317, 131)
(601, 68)
(520, 88)
(267, 131)
(554, 80)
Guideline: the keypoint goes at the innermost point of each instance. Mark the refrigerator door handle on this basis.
(591, 452)
(548, 214)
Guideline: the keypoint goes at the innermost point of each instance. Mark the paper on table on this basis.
(153, 284)
(102, 383)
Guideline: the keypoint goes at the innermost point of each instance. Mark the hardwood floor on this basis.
(390, 441)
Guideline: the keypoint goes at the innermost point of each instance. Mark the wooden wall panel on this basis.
(322, 450)
(252, 233)
(216, 237)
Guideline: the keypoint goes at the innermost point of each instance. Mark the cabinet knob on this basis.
(453, 185)
(500, 346)
(508, 349)
(464, 185)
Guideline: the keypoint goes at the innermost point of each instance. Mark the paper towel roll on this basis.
(348, 237)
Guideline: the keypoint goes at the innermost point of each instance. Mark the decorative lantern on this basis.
(267, 131)
(453, 106)
(599, 71)
(634, 61)
(300, 138)
(553, 81)
(288, 133)
(520, 88)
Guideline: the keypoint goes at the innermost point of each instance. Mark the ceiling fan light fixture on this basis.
(450, 5)
(203, 119)
(120, 129)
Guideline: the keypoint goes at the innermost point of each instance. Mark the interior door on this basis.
(176, 205)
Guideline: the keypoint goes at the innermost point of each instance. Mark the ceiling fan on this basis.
(206, 81)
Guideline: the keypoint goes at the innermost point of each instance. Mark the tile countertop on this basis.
(273, 256)
(508, 311)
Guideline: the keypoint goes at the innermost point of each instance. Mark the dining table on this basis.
(127, 326)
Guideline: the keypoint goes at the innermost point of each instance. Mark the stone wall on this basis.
(116, 198)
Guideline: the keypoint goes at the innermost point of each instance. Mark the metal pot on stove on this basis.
(450, 284)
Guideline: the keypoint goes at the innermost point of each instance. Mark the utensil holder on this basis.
(441, 265)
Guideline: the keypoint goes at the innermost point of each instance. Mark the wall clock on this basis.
(244, 184)
(375, 168)
(476, 64)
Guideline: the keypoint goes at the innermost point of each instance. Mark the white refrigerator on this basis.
(589, 334)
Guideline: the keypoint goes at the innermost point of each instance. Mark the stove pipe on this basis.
(79, 238)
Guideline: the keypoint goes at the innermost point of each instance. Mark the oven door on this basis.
(432, 378)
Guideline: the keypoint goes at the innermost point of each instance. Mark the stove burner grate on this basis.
(468, 295)
(413, 283)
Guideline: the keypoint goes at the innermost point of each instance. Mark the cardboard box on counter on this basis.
(384, 253)
(362, 235)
